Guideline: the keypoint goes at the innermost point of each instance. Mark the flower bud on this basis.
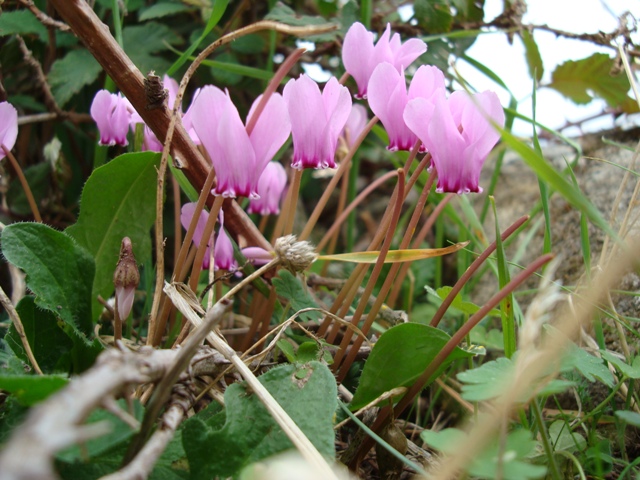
(126, 279)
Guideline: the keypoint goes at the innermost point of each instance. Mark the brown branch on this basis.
(43, 18)
(96, 37)
(57, 422)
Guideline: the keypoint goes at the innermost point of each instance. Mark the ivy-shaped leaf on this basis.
(245, 432)
(21, 22)
(59, 271)
(289, 286)
(69, 74)
(49, 343)
(577, 79)
(141, 42)
(399, 357)
(118, 201)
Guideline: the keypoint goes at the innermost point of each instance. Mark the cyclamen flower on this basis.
(316, 120)
(458, 134)
(238, 158)
(360, 56)
(388, 98)
(223, 249)
(110, 112)
(270, 188)
(126, 279)
(8, 127)
(355, 124)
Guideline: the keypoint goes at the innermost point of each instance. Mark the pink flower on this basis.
(356, 122)
(126, 279)
(8, 127)
(238, 158)
(316, 120)
(110, 112)
(388, 98)
(270, 188)
(257, 255)
(186, 214)
(223, 250)
(458, 134)
(360, 56)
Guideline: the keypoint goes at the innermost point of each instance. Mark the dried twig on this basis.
(17, 323)
(43, 18)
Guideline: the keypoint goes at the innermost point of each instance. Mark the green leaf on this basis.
(467, 308)
(490, 339)
(162, 9)
(532, 54)
(226, 76)
(49, 344)
(30, 389)
(493, 378)
(627, 416)
(12, 415)
(249, 44)
(590, 366)
(469, 10)
(631, 371)
(246, 433)
(118, 201)
(434, 16)
(562, 438)
(21, 22)
(69, 74)
(59, 271)
(282, 13)
(399, 357)
(10, 364)
(577, 80)
(290, 287)
(142, 41)
(505, 459)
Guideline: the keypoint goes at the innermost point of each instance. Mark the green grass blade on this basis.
(218, 10)
(506, 306)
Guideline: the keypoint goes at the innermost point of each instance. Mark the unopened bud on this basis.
(126, 279)
(295, 255)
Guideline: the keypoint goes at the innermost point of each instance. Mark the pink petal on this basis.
(8, 127)
(223, 252)
(337, 104)
(235, 161)
(120, 121)
(426, 81)
(271, 130)
(257, 255)
(100, 110)
(125, 298)
(357, 50)
(408, 52)
(356, 122)
(172, 88)
(271, 189)
(186, 214)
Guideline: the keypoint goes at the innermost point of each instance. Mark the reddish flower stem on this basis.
(422, 381)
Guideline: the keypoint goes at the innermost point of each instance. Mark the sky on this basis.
(508, 61)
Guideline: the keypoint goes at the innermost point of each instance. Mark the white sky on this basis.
(508, 61)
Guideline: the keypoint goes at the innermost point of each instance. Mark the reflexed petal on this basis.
(235, 161)
(356, 122)
(151, 142)
(8, 127)
(357, 50)
(223, 252)
(408, 52)
(302, 97)
(101, 108)
(426, 81)
(120, 121)
(271, 130)
(257, 255)
(125, 298)
(206, 110)
(337, 104)
(172, 89)
(270, 188)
